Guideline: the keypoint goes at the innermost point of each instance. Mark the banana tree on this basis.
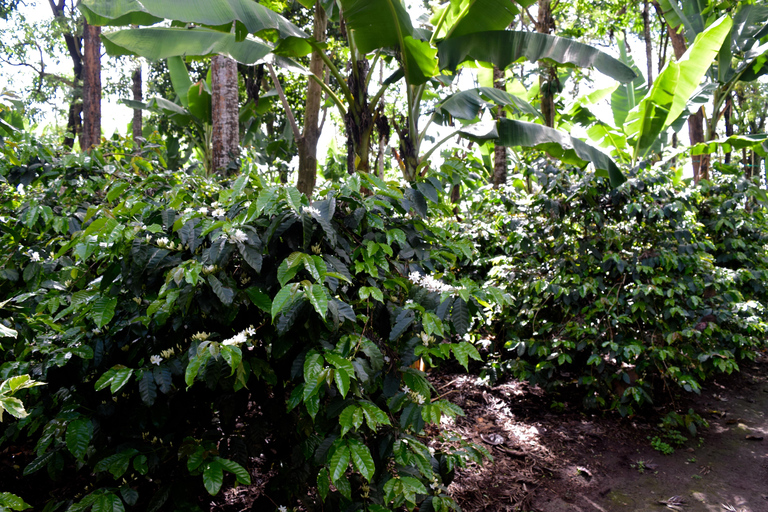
(467, 31)
(642, 115)
(742, 57)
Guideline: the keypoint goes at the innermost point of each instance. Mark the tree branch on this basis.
(284, 101)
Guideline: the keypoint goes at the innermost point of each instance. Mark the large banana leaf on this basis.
(674, 86)
(375, 24)
(253, 16)
(461, 17)
(689, 15)
(467, 104)
(558, 144)
(756, 142)
(157, 43)
(503, 48)
(748, 23)
(628, 94)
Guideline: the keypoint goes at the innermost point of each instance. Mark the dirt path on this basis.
(574, 462)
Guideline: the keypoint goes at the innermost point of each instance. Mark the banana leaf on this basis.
(467, 104)
(250, 15)
(506, 47)
(157, 43)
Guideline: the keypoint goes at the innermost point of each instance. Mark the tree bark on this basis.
(696, 121)
(226, 136)
(307, 175)
(547, 73)
(74, 48)
(91, 135)
(648, 42)
(499, 151)
(136, 124)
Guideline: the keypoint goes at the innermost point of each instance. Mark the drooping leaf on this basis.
(225, 294)
(361, 458)
(157, 43)
(253, 16)
(467, 104)
(559, 145)
(180, 80)
(213, 477)
(339, 460)
(505, 47)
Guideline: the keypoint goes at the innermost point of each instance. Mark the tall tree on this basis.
(74, 48)
(224, 107)
(499, 151)
(91, 134)
(136, 123)
(307, 142)
(548, 81)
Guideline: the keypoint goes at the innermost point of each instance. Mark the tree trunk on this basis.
(136, 128)
(226, 136)
(359, 127)
(547, 73)
(311, 133)
(499, 151)
(74, 47)
(728, 125)
(696, 121)
(91, 135)
(648, 42)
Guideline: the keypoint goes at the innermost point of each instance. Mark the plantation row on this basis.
(187, 328)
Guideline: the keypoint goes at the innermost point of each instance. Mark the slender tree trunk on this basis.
(136, 128)
(226, 137)
(74, 48)
(91, 135)
(499, 151)
(311, 133)
(696, 121)
(547, 73)
(728, 125)
(359, 127)
(648, 42)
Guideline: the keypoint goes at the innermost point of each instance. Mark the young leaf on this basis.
(213, 476)
(339, 460)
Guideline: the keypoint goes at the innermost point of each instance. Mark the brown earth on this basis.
(572, 461)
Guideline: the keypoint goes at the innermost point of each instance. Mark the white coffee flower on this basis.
(34, 256)
(163, 242)
(219, 213)
(238, 236)
(311, 210)
(156, 360)
(215, 204)
(202, 210)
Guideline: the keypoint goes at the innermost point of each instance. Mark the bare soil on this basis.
(575, 461)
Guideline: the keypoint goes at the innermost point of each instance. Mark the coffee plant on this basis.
(625, 291)
(191, 331)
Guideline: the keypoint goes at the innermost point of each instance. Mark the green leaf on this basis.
(283, 298)
(361, 458)
(463, 351)
(259, 299)
(233, 356)
(467, 104)
(254, 17)
(78, 437)
(104, 310)
(318, 297)
(558, 144)
(180, 78)
(6, 332)
(460, 316)
(108, 502)
(213, 477)
(233, 467)
(251, 255)
(122, 375)
(373, 415)
(13, 502)
(505, 47)
(14, 406)
(339, 460)
(323, 483)
(226, 295)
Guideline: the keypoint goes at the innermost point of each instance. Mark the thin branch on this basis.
(284, 101)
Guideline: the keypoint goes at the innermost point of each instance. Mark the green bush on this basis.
(190, 330)
(625, 291)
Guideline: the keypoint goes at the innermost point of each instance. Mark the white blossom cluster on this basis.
(236, 236)
(414, 396)
(241, 337)
(430, 283)
(311, 210)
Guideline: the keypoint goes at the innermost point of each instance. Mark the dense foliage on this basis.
(188, 327)
(626, 291)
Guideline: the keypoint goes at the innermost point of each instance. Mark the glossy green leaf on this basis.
(225, 294)
(318, 297)
(468, 16)
(339, 460)
(121, 378)
(13, 502)
(213, 477)
(180, 78)
(361, 458)
(503, 48)
(108, 502)
(241, 474)
(78, 437)
(104, 310)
